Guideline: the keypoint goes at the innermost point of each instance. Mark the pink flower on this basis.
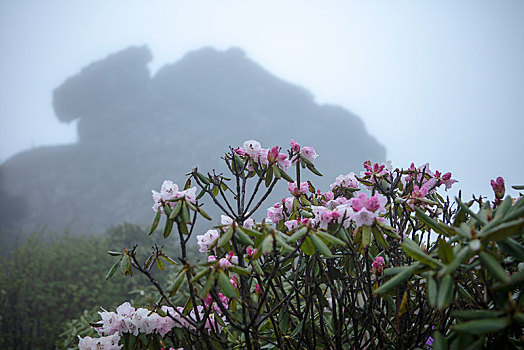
(294, 146)
(363, 217)
(258, 289)
(274, 214)
(378, 265)
(205, 240)
(498, 187)
(240, 151)
(445, 179)
(291, 224)
(346, 181)
(250, 251)
(251, 147)
(309, 153)
(234, 280)
(295, 191)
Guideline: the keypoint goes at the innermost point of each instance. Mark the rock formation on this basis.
(135, 130)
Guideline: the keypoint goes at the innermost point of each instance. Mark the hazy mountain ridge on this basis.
(136, 130)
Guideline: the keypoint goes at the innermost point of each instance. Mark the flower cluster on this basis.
(263, 156)
(169, 193)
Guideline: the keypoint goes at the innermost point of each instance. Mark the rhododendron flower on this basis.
(226, 220)
(274, 214)
(295, 191)
(378, 265)
(250, 251)
(417, 193)
(291, 224)
(205, 240)
(145, 320)
(363, 217)
(309, 153)
(104, 343)
(498, 187)
(294, 145)
(346, 181)
(445, 179)
(376, 170)
(248, 223)
(234, 279)
(288, 202)
(251, 147)
(258, 289)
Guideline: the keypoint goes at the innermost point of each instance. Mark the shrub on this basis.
(396, 266)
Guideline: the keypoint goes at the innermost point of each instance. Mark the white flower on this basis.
(348, 180)
(168, 190)
(251, 147)
(145, 322)
(226, 220)
(205, 240)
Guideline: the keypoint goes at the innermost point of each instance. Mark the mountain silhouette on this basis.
(136, 129)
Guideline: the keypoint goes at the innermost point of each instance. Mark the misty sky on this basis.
(434, 81)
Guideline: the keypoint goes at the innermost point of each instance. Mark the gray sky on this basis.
(439, 82)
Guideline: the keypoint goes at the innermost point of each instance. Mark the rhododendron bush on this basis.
(382, 259)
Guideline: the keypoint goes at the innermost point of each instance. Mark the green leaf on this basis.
(431, 287)
(243, 238)
(445, 292)
(249, 231)
(518, 187)
(379, 237)
(155, 221)
(307, 247)
(484, 326)
(240, 270)
(460, 257)
(113, 269)
(440, 342)
(178, 282)
(512, 248)
(366, 236)
(503, 230)
(390, 231)
(202, 178)
(125, 265)
(320, 246)
(203, 213)
(297, 235)
(465, 208)
(476, 314)
(176, 210)
(209, 284)
(431, 223)
(269, 176)
(330, 238)
(493, 267)
(276, 171)
(168, 228)
(267, 244)
(400, 277)
(226, 237)
(281, 242)
(286, 176)
(445, 252)
(227, 287)
(314, 170)
(159, 264)
(413, 250)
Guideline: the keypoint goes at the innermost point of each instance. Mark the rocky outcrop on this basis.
(135, 130)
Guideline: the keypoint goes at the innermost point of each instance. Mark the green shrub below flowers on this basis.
(380, 261)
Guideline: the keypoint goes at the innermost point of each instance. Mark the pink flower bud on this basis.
(498, 187)
(258, 289)
(294, 146)
(378, 265)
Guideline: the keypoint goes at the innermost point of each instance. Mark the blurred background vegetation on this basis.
(52, 285)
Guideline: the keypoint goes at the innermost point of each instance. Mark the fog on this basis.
(433, 82)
